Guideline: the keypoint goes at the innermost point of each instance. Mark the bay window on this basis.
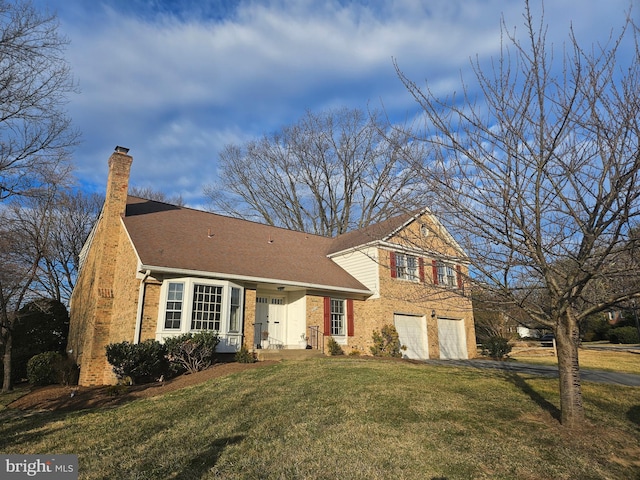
(191, 305)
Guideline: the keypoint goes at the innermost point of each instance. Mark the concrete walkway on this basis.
(599, 376)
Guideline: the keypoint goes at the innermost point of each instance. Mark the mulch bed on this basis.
(57, 397)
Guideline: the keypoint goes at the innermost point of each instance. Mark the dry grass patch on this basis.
(613, 361)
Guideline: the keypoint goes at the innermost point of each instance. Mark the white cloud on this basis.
(176, 89)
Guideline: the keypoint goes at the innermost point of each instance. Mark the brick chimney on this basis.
(92, 312)
(117, 183)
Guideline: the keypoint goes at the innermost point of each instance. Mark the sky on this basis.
(175, 81)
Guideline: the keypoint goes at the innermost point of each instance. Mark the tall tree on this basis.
(71, 216)
(23, 242)
(35, 133)
(538, 179)
(327, 174)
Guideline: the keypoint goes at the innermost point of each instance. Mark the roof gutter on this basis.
(141, 292)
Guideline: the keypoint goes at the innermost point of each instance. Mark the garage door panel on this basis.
(452, 339)
(412, 331)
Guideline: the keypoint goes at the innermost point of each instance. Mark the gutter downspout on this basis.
(141, 291)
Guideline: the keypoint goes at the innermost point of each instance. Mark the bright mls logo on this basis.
(51, 467)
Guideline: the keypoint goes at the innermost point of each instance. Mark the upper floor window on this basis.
(447, 274)
(406, 267)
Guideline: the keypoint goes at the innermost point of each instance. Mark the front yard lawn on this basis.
(346, 418)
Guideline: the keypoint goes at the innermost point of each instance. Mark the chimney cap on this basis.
(120, 149)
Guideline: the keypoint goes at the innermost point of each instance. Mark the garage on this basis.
(452, 339)
(412, 330)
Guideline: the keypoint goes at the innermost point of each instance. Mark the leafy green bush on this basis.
(496, 347)
(192, 352)
(41, 368)
(244, 355)
(386, 343)
(624, 335)
(334, 347)
(142, 362)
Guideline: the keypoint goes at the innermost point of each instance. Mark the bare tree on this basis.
(151, 194)
(23, 242)
(71, 217)
(35, 133)
(327, 174)
(538, 179)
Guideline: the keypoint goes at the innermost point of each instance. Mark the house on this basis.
(150, 270)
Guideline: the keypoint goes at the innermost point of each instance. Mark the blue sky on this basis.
(175, 81)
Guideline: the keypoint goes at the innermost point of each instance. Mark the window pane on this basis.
(234, 315)
(337, 317)
(207, 307)
(406, 267)
(173, 307)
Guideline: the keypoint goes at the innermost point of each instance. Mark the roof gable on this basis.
(402, 230)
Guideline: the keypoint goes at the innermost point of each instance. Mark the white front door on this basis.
(412, 332)
(270, 316)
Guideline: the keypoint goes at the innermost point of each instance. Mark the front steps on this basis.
(286, 354)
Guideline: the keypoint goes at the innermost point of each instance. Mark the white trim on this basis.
(396, 247)
(246, 278)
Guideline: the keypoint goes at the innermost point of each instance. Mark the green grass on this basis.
(613, 361)
(347, 418)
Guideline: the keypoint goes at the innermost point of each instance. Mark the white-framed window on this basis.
(173, 305)
(337, 317)
(407, 267)
(206, 310)
(190, 305)
(447, 274)
(234, 315)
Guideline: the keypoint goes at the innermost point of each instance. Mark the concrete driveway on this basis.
(599, 376)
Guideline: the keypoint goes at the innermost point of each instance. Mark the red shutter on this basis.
(350, 317)
(392, 264)
(459, 276)
(434, 265)
(421, 269)
(327, 315)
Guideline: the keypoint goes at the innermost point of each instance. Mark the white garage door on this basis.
(412, 331)
(452, 339)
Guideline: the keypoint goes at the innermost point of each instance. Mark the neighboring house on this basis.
(151, 270)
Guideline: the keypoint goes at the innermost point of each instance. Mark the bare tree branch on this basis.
(537, 178)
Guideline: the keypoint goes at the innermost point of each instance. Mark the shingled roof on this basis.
(372, 233)
(183, 239)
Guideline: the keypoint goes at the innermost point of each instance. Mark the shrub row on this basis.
(150, 360)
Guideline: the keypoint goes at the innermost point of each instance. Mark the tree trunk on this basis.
(567, 340)
(7, 384)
